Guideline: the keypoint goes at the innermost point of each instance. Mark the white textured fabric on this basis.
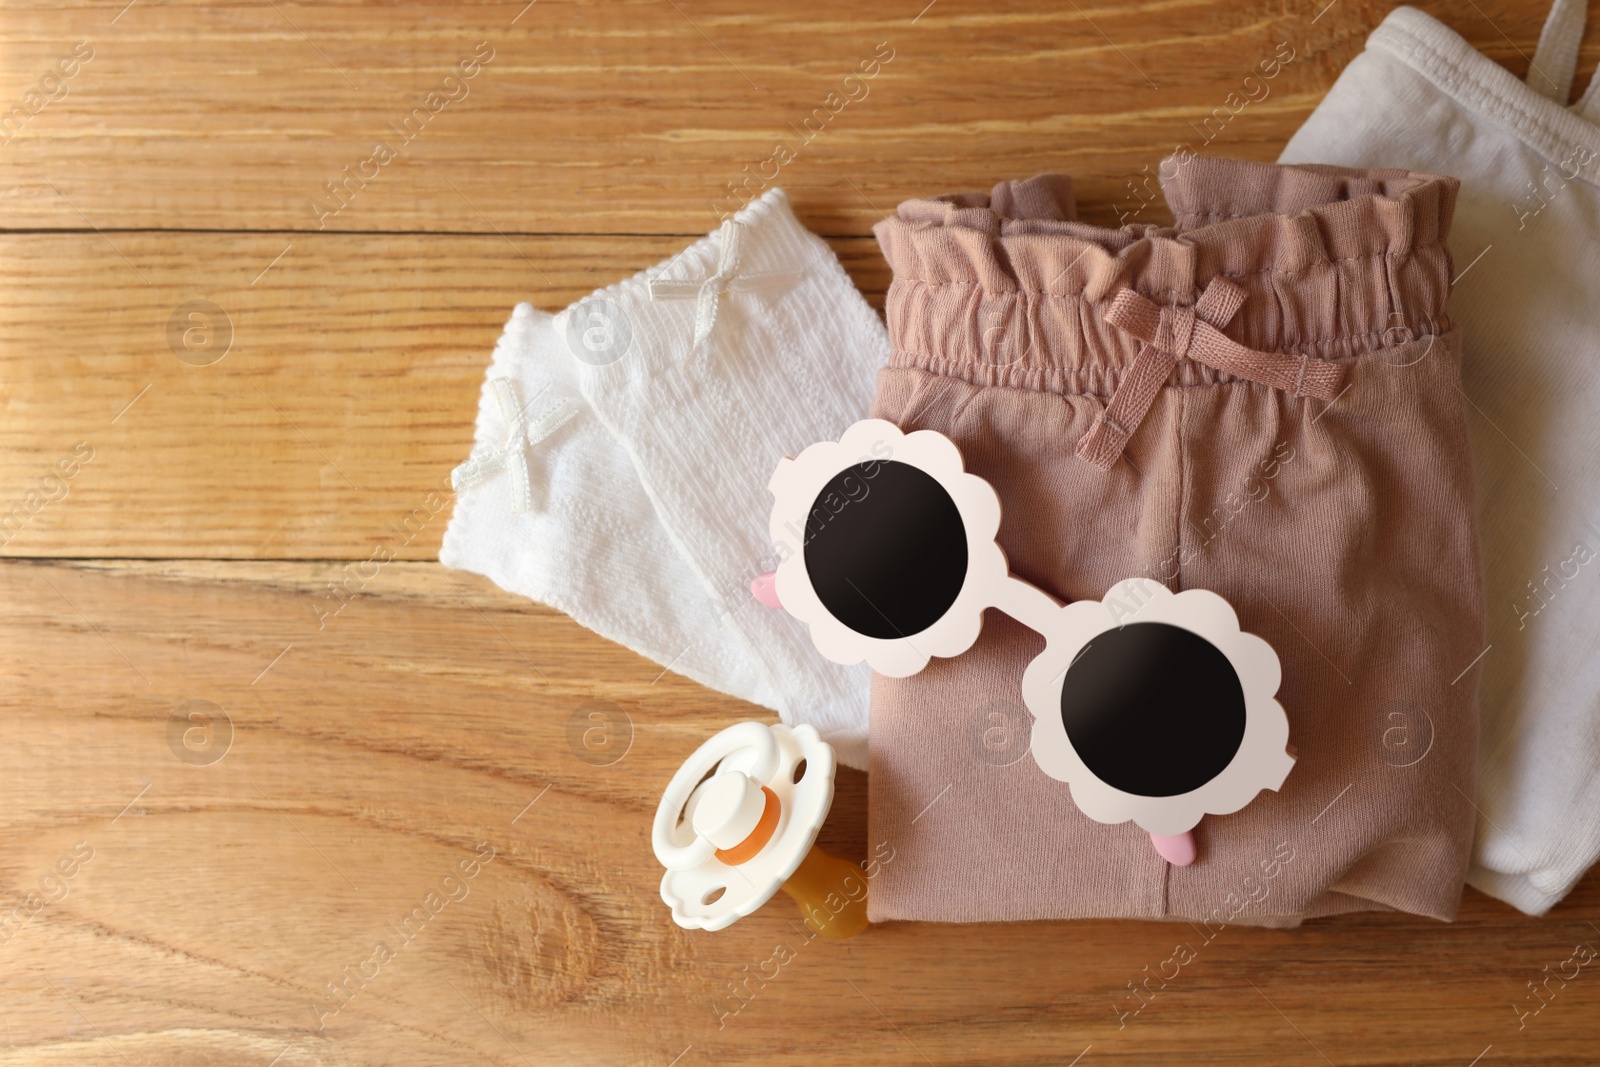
(564, 520)
(522, 431)
(1526, 243)
(656, 411)
(736, 357)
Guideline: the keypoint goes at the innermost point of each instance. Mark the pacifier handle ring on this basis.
(739, 737)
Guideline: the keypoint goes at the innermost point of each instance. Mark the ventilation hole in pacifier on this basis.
(713, 895)
(799, 772)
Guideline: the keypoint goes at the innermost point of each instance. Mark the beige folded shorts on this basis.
(1340, 528)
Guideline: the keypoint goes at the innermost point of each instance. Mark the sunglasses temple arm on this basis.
(1028, 604)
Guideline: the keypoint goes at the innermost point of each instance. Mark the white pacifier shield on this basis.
(720, 812)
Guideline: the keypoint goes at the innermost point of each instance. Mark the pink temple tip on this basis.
(1177, 849)
(764, 587)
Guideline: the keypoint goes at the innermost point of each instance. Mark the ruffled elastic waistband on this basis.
(1008, 288)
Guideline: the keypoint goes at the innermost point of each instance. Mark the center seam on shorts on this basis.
(1182, 426)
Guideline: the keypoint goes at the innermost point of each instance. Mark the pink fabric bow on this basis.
(1171, 333)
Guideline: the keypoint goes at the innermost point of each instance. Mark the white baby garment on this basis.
(550, 507)
(627, 485)
(1526, 245)
(748, 346)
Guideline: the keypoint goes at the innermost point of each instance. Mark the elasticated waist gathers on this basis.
(1009, 289)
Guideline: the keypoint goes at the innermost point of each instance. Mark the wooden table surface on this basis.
(221, 882)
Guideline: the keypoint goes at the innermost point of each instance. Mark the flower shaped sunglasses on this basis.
(1152, 706)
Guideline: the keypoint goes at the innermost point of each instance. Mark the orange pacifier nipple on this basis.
(831, 894)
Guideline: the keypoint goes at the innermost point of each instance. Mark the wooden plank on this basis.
(633, 116)
(211, 901)
(222, 896)
(346, 396)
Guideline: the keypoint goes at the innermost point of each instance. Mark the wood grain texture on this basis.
(631, 116)
(346, 397)
(223, 876)
(377, 753)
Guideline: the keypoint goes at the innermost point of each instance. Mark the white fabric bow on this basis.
(521, 432)
(727, 279)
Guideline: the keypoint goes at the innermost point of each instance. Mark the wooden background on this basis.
(352, 765)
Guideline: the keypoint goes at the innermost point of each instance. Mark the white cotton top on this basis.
(1526, 245)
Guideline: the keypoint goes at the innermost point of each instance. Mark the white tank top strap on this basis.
(1556, 58)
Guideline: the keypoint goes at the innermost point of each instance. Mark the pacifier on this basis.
(739, 822)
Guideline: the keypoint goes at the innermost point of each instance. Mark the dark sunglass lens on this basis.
(1153, 709)
(886, 549)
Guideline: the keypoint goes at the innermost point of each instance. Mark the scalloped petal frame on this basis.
(795, 486)
(1261, 762)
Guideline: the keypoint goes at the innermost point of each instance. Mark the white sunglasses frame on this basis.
(1261, 760)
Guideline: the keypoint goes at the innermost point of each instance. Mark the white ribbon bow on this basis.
(727, 279)
(521, 432)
